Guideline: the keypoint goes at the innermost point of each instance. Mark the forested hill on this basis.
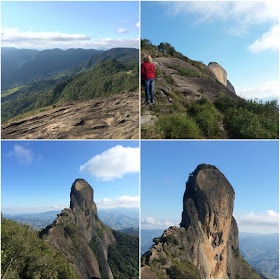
(108, 72)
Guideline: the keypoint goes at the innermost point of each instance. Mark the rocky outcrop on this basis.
(206, 244)
(80, 236)
(219, 71)
(110, 117)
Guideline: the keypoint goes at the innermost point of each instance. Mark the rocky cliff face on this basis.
(219, 71)
(206, 245)
(80, 236)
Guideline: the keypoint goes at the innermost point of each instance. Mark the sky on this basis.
(70, 24)
(37, 175)
(243, 37)
(252, 168)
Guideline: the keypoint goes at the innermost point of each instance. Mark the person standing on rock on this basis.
(148, 75)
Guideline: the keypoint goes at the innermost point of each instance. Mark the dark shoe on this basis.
(147, 102)
(152, 101)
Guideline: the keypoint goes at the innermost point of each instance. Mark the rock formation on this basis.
(80, 236)
(206, 245)
(219, 72)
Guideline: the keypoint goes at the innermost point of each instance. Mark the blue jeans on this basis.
(149, 89)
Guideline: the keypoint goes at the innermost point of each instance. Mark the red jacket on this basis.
(148, 71)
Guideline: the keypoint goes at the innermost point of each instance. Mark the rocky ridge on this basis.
(80, 236)
(206, 243)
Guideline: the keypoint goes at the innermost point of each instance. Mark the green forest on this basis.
(25, 256)
(123, 256)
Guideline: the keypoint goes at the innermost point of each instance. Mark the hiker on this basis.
(148, 78)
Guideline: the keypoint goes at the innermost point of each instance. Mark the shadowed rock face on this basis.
(83, 207)
(80, 236)
(206, 245)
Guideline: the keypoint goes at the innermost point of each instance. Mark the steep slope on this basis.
(80, 236)
(111, 117)
(206, 245)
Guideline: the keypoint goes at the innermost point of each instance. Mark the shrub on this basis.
(206, 116)
(176, 126)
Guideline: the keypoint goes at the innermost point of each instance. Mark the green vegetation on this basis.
(181, 120)
(25, 255)
(123, 256)
(191, 73)
(249, 119)
(176, 126)
(109, 77)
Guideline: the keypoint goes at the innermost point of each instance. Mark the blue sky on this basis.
(37, 175)
(70, 24)
(252, 168)
(243, 37)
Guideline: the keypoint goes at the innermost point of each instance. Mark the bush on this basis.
(176, 126)
(206, 116)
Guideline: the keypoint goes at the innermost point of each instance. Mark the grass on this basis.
(190, 72)
(11, 91)
(177, 126)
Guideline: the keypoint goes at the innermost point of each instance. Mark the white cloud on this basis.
(12, 37)
(121, 30)
(152, 223)
(113, 163)
(258, 223)
(269, 41)
(138, 24)
(122, 201)
(263, 91)
(246, 11)
(240, 14)
(22, 154)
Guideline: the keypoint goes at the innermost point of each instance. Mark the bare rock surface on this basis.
(111, 117)
(206, 245)
(80, 236)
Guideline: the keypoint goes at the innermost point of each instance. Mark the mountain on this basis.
(87, 244)
(131, 231)
(105, 77)
(262, 252)
(206, 243)
(35, 220)
(194, 100)
(120, 218)
(20, 66)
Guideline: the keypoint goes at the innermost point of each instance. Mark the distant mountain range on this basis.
(123, 219)
(261, 251)
(34, 79)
